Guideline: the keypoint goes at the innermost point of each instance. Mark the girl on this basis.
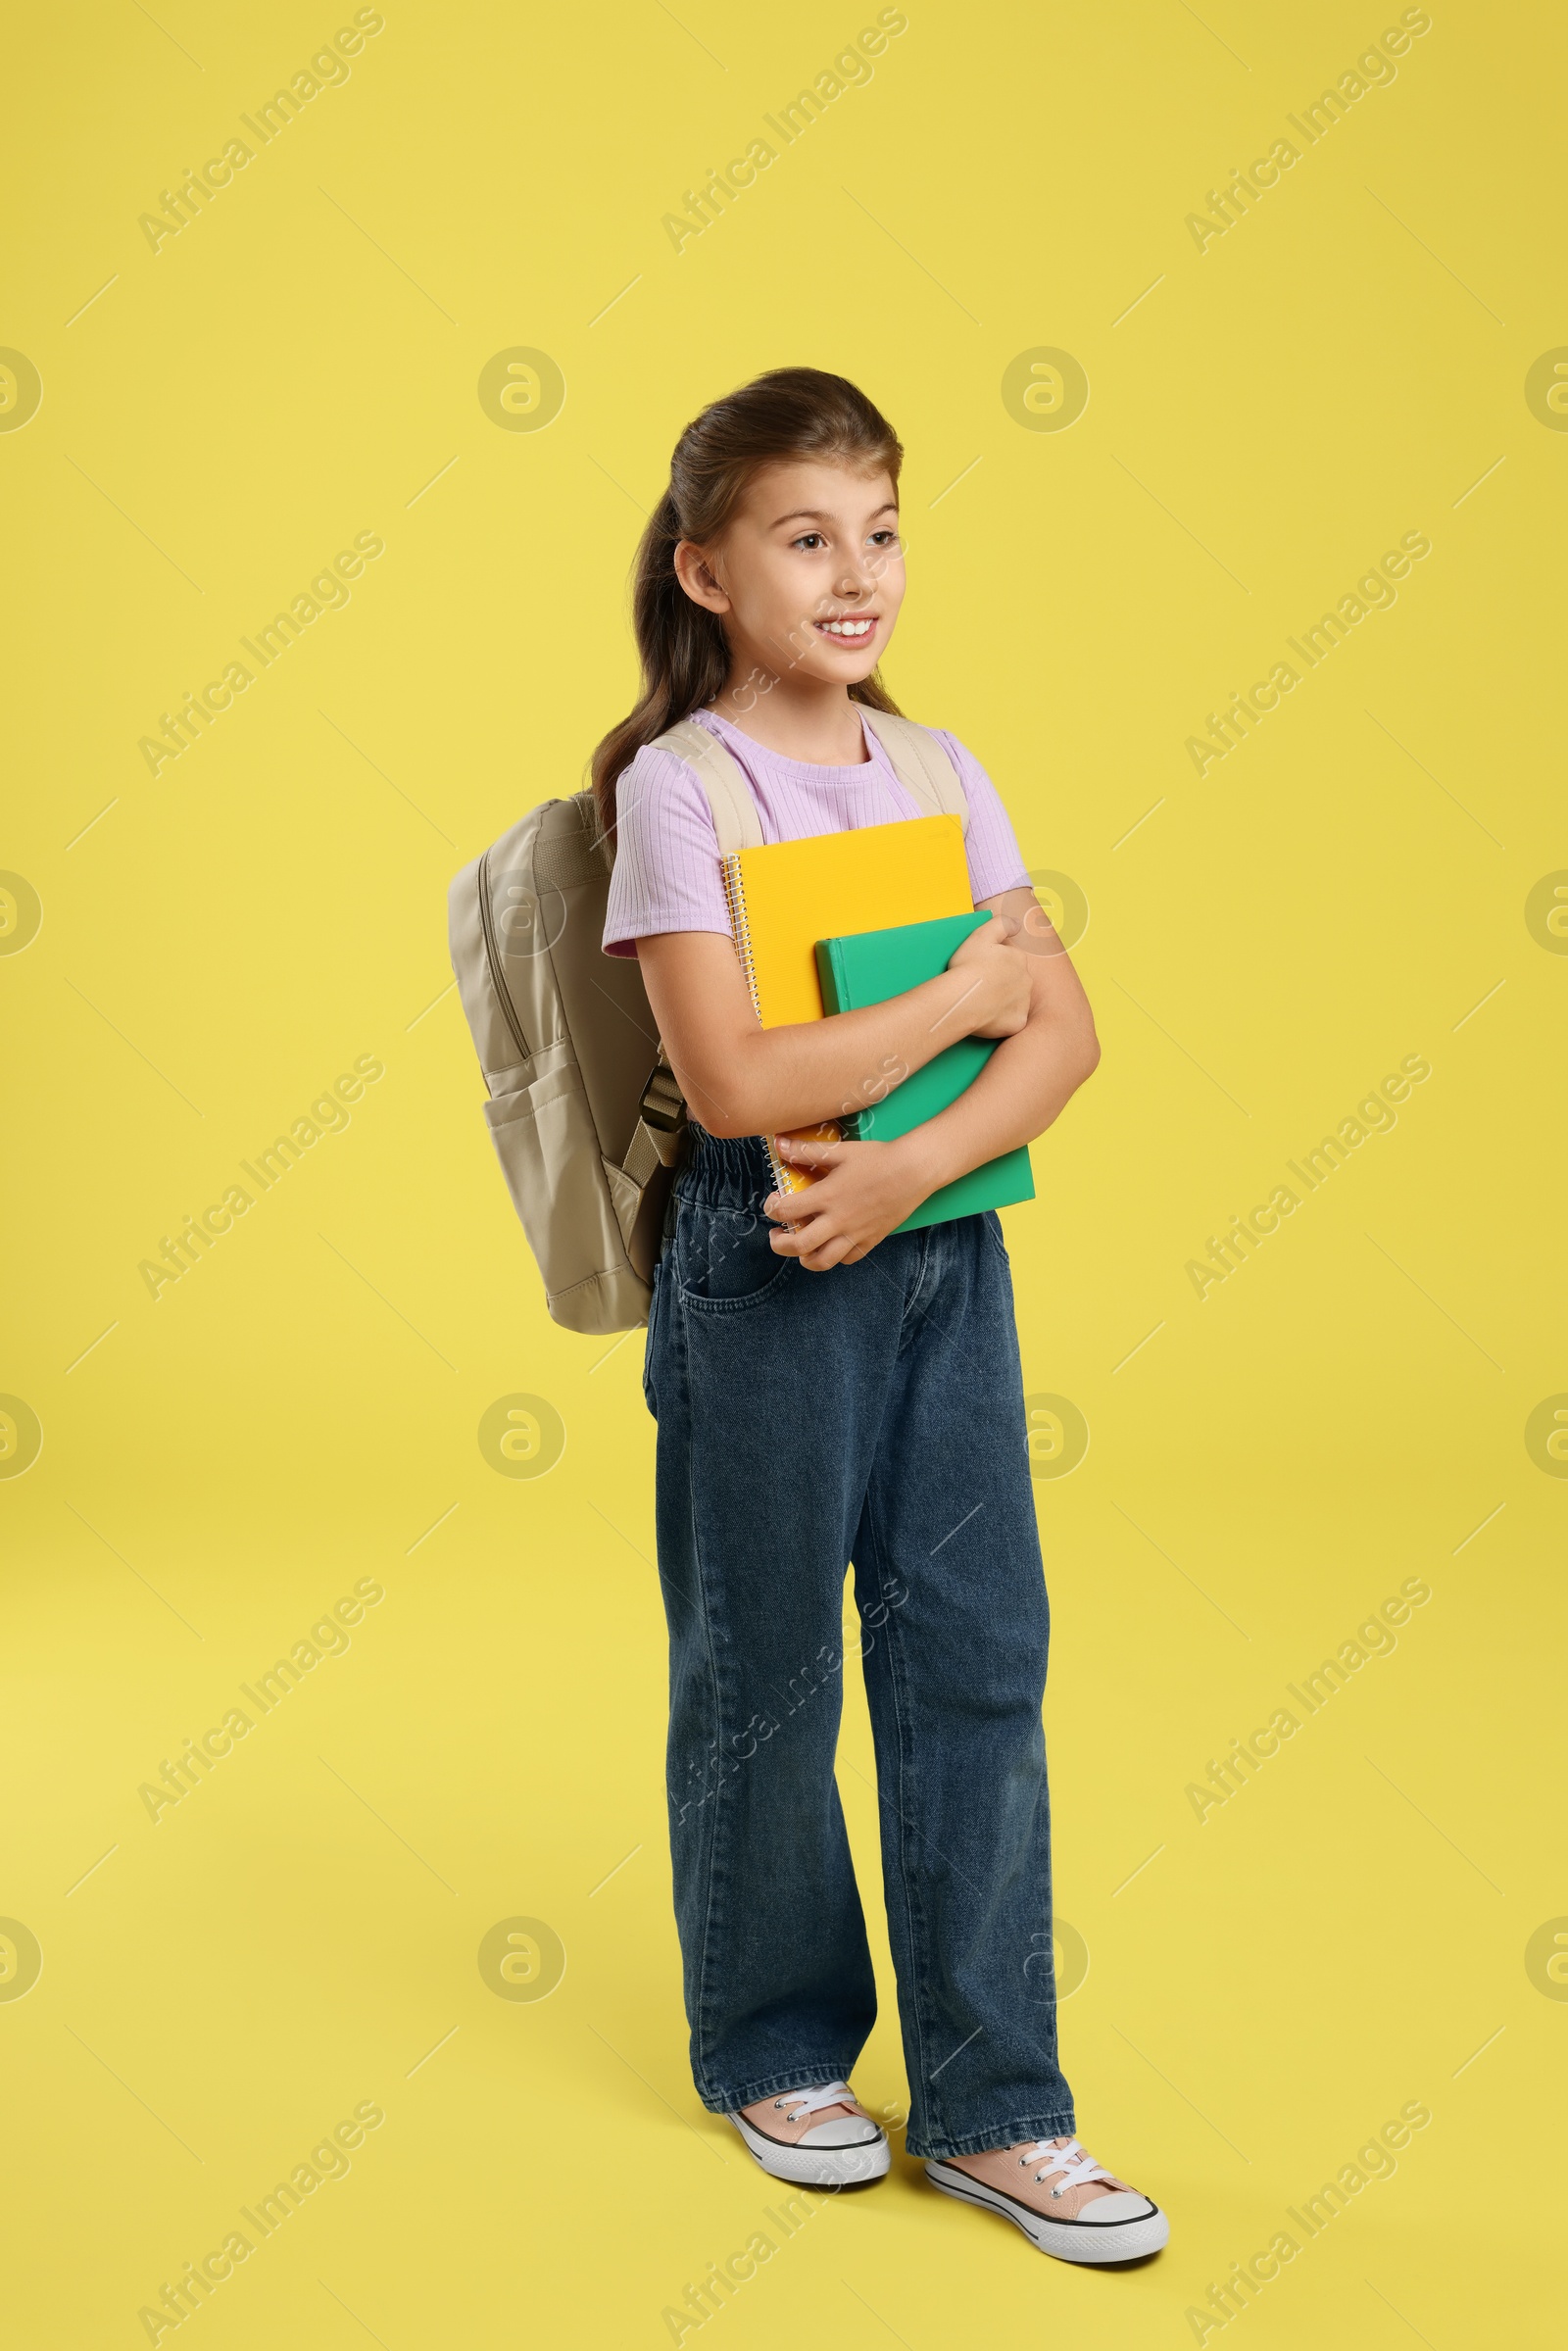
(830, 1390)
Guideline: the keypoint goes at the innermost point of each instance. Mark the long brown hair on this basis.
(789, 413)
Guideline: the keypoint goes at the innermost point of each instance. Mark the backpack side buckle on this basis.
(663, 1108)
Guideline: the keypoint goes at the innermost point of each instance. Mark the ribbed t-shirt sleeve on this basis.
(667, 872)
(995, 863)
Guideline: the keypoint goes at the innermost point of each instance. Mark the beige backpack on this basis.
(584, 1111)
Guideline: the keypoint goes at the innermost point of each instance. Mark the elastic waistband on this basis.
(723, 1171)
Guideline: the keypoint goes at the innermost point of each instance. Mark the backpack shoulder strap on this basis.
(729, 795)
(920, 765)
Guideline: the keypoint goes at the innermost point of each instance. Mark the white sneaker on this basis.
(815, 2138)
(1064, 2202)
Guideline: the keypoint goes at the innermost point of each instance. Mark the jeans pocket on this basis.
(992, 1225)
(723, 1259)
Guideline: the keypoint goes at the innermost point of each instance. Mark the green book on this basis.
(867, 967)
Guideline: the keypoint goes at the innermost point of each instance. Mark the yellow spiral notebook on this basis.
(787, 895)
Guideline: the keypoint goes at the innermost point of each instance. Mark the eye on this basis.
(885, 538)
(809, 537)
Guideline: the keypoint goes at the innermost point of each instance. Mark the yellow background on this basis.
(1265, 417)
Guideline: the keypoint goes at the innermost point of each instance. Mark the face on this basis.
(809, 577)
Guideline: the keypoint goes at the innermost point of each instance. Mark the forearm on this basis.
(1022, 1090)
(771, 1080)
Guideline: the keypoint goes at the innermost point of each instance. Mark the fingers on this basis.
(816, 1242)
(820, 1257)
(797, 1151)
(787, 1207)
(820, 1157)
(794, 1241)
(988, 936)
(819, 1245)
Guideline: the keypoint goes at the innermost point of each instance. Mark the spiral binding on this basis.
(735, 899)
(786, 1179)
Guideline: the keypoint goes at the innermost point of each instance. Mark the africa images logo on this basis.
(1375, 1114)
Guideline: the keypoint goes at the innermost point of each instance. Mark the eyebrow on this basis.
(812, 514)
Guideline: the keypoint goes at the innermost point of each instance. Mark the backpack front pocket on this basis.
(549, 1152)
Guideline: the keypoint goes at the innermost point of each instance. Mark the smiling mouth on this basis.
(848, 628)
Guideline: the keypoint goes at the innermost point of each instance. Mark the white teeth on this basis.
(846, 629)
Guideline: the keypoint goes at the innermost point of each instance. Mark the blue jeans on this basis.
(873, 1413)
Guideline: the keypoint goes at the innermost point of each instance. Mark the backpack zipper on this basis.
(496, 980)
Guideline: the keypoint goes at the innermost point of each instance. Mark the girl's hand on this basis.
(1000, 976)
(862, 1189)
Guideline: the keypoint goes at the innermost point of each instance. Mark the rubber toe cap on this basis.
(1122, 2204)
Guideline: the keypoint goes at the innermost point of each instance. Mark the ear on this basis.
(696, 578)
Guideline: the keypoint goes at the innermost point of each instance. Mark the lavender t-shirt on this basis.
(666, 873)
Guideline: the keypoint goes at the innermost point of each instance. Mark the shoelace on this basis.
(1080, 2166)
(810, 2101)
